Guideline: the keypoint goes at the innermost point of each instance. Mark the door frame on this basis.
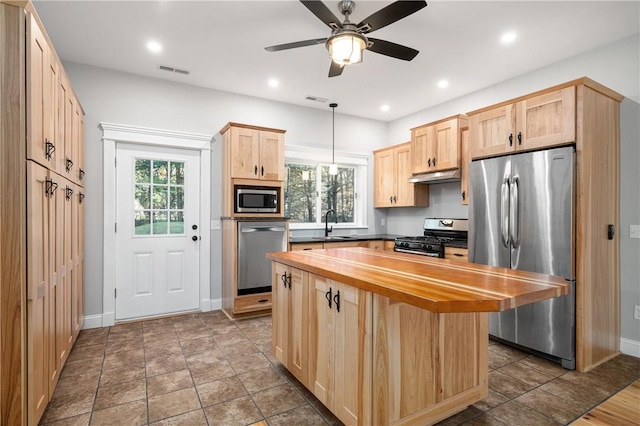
(112, 134)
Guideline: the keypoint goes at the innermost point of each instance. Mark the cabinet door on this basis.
(464, 166)
(281, 321)
(57, 347)
(404, 189)
(80, 144)
(376, 245)
(271, 156)
(67, 326)
(547, 120)
(321, 343)
(65, 120)
(384, 178)
(37, 292)
(352, 352)
(77, 247)
(456, 253)
(298, 333)
(447, 145)
(245, 153)
(492, 132)
(42, 84)
(422, 148)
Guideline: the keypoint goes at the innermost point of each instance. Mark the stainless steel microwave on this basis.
(256, 199)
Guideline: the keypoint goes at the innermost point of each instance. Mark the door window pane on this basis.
(158, 197)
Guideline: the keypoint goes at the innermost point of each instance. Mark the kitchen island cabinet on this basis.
(418, 330)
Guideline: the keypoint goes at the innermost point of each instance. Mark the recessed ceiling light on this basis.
(385, 107)
(154, 46)
(273, 82)
(508, 38)
(443, 84)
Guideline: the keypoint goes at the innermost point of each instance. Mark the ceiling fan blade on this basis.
(388, 15)
(394, 50)
(295, 44)
(323, 13)
(335, 69)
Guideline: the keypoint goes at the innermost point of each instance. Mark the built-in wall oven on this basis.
(255, 240)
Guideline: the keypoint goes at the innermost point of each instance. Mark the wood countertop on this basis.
(438, 285)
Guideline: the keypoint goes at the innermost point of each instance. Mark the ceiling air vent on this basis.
(316, 99)
(172, 69)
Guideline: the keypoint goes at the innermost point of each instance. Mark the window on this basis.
(158, 197)
(310, 191)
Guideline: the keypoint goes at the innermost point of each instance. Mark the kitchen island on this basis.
(388, 338)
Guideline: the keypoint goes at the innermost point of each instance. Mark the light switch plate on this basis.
(634, 231)
(353, 232)
(215, 224)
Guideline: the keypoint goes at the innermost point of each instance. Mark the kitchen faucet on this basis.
(326, 222)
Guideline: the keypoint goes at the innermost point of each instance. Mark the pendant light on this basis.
(333, 168)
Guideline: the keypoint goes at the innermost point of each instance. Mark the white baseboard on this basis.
(630, 347)
(216, 304)
(92, 321)
(207, 305)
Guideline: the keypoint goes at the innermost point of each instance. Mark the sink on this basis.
(336, 237)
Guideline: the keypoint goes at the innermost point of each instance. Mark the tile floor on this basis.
(201, 369)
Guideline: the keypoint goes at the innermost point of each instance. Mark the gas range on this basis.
(437, 233)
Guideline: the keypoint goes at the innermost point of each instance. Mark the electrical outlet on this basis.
(215, 224)
(634, 231)
(636, 312)
(353, 232)
(383, 222)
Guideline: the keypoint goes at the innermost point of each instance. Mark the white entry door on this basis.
(157, 231)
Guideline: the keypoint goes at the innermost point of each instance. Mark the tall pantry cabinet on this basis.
(41, 216)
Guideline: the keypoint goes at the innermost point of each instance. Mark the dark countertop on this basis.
(333, 239)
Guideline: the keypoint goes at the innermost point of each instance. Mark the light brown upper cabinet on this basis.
(392, 170)
(255, 152)
(436, 146)
(539, 121)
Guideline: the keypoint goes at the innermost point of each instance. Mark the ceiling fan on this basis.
(348, 40)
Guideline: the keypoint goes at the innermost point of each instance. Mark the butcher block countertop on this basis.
(438, 285)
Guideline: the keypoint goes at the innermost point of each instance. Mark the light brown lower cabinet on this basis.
(372, 360)
(456, 253)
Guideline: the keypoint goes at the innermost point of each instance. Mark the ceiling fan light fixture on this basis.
(346, 48)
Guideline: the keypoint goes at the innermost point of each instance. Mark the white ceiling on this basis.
(222, 44)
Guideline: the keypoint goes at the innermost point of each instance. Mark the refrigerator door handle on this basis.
(514, 218)
(504, 212)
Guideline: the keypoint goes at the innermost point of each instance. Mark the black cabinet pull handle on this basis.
(49, 149)
(519, 138)
(434, 161)
(611, 231)
(328, 296)
(81, 197)
(395, 199)
(49, 187)
(510, 139)
(458, 254)
(289, 281)
(429, 162)
(69, 193)
(464, 195)
(262, 170)
(391, 199)
(263, 300)
(336, 300)
(283, 278)
(81, 174)
(68, 164)
(255, 170)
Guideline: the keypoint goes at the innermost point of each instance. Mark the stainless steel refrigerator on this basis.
(521, 216)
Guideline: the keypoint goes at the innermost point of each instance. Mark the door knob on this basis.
(194, 227)
(194, 238)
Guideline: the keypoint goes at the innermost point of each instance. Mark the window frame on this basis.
(322, 157)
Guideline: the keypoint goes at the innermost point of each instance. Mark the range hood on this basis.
(437, 177)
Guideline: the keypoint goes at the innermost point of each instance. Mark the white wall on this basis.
(121, 98)
(617, 66)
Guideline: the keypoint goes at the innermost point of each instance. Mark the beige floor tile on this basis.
(124, 346)
(173, 362)
(210, 372)
(193, 333)
(305, 415)
(247, 363)
(194, 346)
(220, 328)
(461, 417)
(240, 411)
(88, 351)
(484, 420)
(163, 351)
(169, 382)
(550, 405)
(121, 375)
(125, 335)
(157, 323)
(161, 339)
(239, 349)
(173, 403)
(81, 420)
(493, 399)
(203, 359)
(278, 399)
(258, 333)
(124, 359)
(73, 396)
(507, 385)
(108, 396)
(526, 374)
(83, 366)
(264, 378)
(192, 418)
(513, 413)
(230, 338)
(132, 413)
(220, 391)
